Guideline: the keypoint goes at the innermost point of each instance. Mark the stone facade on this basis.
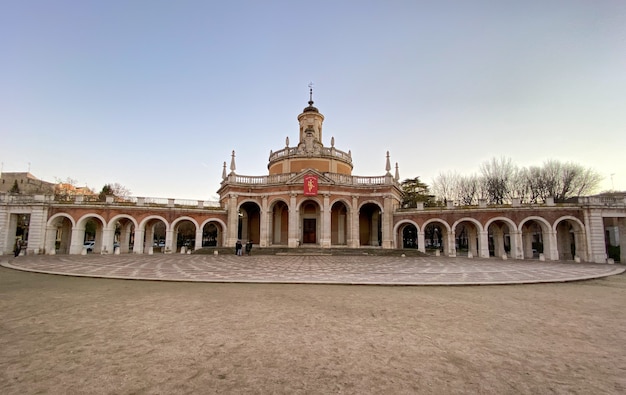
(310, 198)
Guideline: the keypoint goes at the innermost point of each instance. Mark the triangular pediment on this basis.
(299, 178)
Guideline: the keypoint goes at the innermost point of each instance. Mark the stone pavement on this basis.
(374, 270)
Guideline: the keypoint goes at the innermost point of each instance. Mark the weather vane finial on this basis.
(310, 93)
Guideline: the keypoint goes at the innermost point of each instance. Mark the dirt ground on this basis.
(65, 335)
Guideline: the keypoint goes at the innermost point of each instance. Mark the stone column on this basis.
(472, 240)
(594, 227)
(484, 244)
(233, 221)
(78, 236)
(353, 229)
(198, 243)
(550, 249)
(107, 240)
(294, 229)
(170, 240)
(139, 240)
(516, 244)
(51, 236)
(527, 238)
(421, 241)
(264, 222)
(451, 244)
(326, 218)
(387, 224)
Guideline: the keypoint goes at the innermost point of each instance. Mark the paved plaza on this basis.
(316, 269)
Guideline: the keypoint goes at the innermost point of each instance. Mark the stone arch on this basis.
(537, 235)
(249, 221)
(370, 224)
(151, 235)
(213, 232)
(437, 236)
(120, 233)
(502, 238)
(340, 224)
(279, 222)
(406, 234)
(467, 240)
(59, 234)
(184, 231)
(310, 231)
(570, 238)
(89, 227)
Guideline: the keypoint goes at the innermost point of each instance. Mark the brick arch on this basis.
(446, 239)
(55, 217)
(52, 224)
(116, 218)
(569, 249)
(306, 199)
(372, 201)
(474, 240)
(545, 244)
(222, 231)
(474, 221)
(398, 229)
(142, 224)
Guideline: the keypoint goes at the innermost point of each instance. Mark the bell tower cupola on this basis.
(310, 152)
(311, 123)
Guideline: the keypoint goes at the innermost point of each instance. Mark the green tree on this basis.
(107, 190)
(415, 191)
(15, 188)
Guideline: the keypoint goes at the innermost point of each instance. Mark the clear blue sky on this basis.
(155, 95)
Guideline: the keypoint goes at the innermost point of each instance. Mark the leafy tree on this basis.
(107, 190)
(114, 189)
(415, 191)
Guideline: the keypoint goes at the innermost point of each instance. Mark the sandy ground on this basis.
(65, 335)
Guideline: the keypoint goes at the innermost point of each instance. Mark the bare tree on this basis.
(446, 186)
(469, 190)
(497, 175)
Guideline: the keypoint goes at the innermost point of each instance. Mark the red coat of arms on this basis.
(310, 185)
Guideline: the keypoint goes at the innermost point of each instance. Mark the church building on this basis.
(310, 197)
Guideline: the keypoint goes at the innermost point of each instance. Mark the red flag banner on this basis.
(310, 185)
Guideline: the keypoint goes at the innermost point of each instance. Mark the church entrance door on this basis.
(308, 231)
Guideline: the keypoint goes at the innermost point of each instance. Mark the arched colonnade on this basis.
(124, 233)
(532, 237)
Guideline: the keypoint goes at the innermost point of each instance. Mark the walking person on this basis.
(18, 247)
(248, 247)
(238, 248)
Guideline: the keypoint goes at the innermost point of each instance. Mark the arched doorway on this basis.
(184, 235)
(370, 225)
(500, 240)
(58, 235)
(249, 228)
(155, 235)
(309, 220)
(339, 224)
(123, 235)
(435, 236)
(466, 238)
(570, 240)
(279, 223)
(90, 235)
(535, 238)
(408, 236)
(212, 234)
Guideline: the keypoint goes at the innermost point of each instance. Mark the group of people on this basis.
(239, 247)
